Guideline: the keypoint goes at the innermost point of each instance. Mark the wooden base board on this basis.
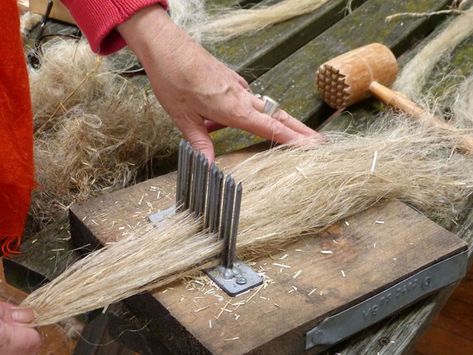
(308, 281)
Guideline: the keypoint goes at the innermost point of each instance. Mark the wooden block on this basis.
(338, 268)
(58, 12)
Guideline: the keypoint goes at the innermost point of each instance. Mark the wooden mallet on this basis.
(369, 71)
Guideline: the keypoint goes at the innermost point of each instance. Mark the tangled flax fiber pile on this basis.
(93, 128)
(316, 187)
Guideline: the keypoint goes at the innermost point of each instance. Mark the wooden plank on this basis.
(292, 81)
(397, 253)
(253, 55)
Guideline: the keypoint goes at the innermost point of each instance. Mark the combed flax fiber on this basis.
(94, 129)
(219, 23)
(288, 192)
(228, 23)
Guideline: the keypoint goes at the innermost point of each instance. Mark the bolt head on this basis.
(240, 280)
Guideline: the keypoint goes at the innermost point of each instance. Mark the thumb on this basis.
(198, 136)
(22, 315)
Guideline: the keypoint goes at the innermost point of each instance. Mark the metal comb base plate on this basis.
(157, 217)
(237, 280)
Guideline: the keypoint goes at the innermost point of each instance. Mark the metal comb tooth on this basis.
(180, 172)
(211, 196)
(230, 245)
(187, 174)
(227, 211)
(201, 184)
(193, 192)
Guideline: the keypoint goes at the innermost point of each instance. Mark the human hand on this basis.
(193, 86)
(15, 337)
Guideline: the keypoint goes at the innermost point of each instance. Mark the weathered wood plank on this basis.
(253, 55)
(292, 81)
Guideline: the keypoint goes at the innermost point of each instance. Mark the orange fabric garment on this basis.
(16, 131)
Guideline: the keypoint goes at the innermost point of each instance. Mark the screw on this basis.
(241, 280)
(317, 337)
(384, 341)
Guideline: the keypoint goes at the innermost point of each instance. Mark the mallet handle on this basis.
(398, 100)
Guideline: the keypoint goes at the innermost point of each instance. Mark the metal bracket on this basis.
(236, 280)
(344, 324)
(202, 191)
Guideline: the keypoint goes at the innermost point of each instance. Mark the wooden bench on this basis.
(281, 61)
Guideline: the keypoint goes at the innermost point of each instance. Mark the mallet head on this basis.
(346, 79)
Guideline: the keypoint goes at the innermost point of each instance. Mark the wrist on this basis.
(150, 32)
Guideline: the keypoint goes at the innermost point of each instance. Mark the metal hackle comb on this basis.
(208, 193)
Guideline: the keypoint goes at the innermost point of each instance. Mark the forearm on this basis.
(150, 33)
(98, 19)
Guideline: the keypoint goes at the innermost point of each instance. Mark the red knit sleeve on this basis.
(98, 18)
(16, 132)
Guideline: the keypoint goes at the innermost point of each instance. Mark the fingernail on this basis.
(22, 316)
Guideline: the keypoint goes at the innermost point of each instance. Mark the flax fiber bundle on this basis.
(229, 23)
